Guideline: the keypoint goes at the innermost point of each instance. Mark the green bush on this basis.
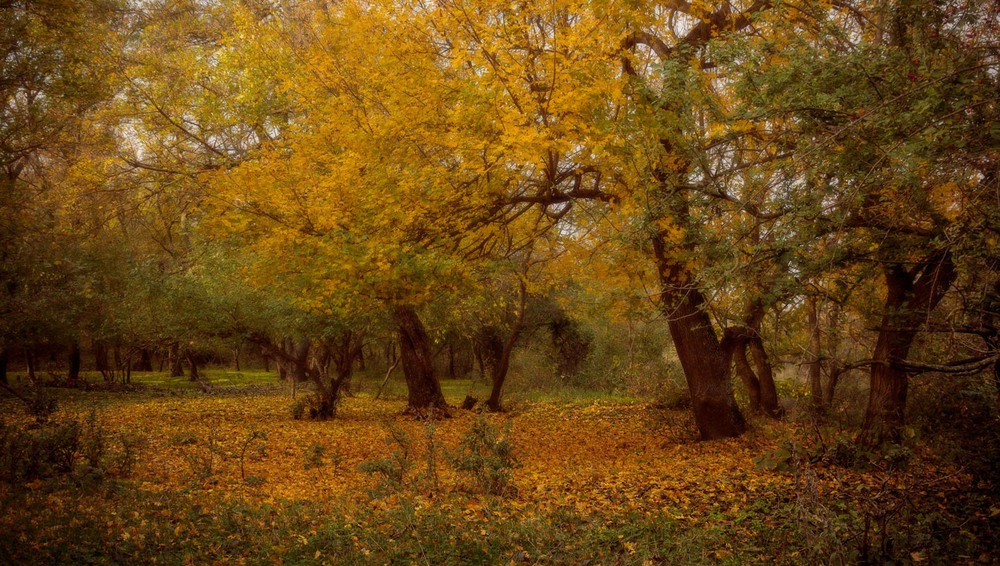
(488, 456)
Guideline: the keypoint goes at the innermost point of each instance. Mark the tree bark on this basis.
(299, 353)
(101, 361)
(761, 363)
(698, 349)
(833, 343)
(910, 297)
(818, 405)
(734, 345)
(424, 389)
(193, 363)
(3, 366)
(29, 358)
(74, 363)
(503, 364)
(145, 361)
(175, 362)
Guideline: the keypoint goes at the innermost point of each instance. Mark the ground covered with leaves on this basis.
(167, 477)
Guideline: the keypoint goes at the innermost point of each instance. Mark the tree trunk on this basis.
(101, 361)
(734, 345)
(489, 346)
(503, 364)
(816, 354)
(145, 361)
(29, 358)
(74, 363)
(910, 297)
(236, 358)
(300, 358)
(418, 363)
(833, 343)
(175, 361)
(3, 366)
(451, 360)
(758, 357)
(193, 362)
(698, 349)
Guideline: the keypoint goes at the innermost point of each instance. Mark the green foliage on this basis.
(199, 454)
(40, 404)
(315, 456)
(488, 455)
(392, 471)
(87, 451)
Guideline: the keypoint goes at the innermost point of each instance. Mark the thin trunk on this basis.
(29, 358)
(74, 363)
(451, 360)
(816, 357)
(145, 361)
(758, 357)
(3, 366)
(119, 363)
(834, 367)
(698, 349)
(418, 363)
(175, 361)
(300, 358)
(193, 363)
(236, 358)
(101, 361)
(503, 364)
(734, 348)
(911, 296)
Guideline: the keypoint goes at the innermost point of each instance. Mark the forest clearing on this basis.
(481, 281)
(231, 477)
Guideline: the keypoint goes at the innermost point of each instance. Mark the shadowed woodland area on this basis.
(578, 281)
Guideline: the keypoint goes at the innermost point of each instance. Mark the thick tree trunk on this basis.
(818, 405)
(698, 349)
(74, 363)
(910, 297)
(418, 363)
(175, 361)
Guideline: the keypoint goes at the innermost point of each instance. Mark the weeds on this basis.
(394, 469)
(488, 455)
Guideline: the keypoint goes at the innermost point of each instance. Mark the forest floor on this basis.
(170, 476)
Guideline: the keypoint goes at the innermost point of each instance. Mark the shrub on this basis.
(488, 455)
(393, 470)
(314, 456)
